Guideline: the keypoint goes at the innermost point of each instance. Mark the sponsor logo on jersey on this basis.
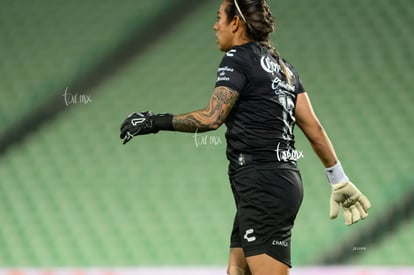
(223, 78)
(225, 69)
(269, 65)
(279, 85)
(222, 73)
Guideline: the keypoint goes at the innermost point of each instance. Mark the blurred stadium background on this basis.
(72, 196)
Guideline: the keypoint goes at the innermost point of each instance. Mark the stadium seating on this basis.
(391, 251)
(72, 195)
(47, 44)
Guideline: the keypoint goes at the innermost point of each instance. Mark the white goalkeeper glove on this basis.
(355, 205)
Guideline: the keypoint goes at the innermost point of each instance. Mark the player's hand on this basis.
(354, 204)
(137, 124)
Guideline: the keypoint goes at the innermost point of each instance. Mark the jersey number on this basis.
(288, 104)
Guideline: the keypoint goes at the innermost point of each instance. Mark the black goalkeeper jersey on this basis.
(261, 122)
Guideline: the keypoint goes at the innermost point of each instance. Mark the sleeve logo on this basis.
(222, 73)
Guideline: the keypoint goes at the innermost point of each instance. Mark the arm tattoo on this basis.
(212, 116)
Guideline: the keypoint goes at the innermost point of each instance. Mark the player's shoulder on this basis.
(238, 50)
(293, 73)
(238, 55)
(290, 67)
(287, 63)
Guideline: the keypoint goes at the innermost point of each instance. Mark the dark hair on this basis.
(259, 22)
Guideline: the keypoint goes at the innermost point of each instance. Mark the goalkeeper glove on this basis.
(144, 123)
(355, 205)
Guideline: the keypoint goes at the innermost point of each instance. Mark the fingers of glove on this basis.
(356, 216)
(333, 209)
(366, 204)
(131, 130)
(127, 138)
(125, 123)
(347, 216)
(123, 133)
(125, 141)
(351, 215)
(361, 210)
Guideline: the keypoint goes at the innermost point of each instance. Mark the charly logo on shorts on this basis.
(280, 243)
(249, 238)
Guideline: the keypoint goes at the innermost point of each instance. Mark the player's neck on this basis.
(241, 40)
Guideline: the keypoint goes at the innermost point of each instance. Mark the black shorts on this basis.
(267, 198)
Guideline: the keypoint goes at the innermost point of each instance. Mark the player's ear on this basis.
(235, 24)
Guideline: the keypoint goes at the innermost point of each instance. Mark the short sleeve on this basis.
(298, 83)
(230, 72)
(299, 87)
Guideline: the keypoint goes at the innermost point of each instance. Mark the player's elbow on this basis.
(213, 125)
(213, 122)
(207, 128)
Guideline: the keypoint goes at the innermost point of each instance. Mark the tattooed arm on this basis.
(212, 116)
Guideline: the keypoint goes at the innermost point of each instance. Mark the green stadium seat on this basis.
(72, 195)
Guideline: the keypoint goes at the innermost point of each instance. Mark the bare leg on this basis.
(237, 263)
(263, 264)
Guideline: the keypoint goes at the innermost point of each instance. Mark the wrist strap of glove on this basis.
(163, 122)
(336, 174)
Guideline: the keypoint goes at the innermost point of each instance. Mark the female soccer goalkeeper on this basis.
(260, 98)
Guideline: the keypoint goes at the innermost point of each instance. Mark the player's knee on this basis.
(236, 270)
